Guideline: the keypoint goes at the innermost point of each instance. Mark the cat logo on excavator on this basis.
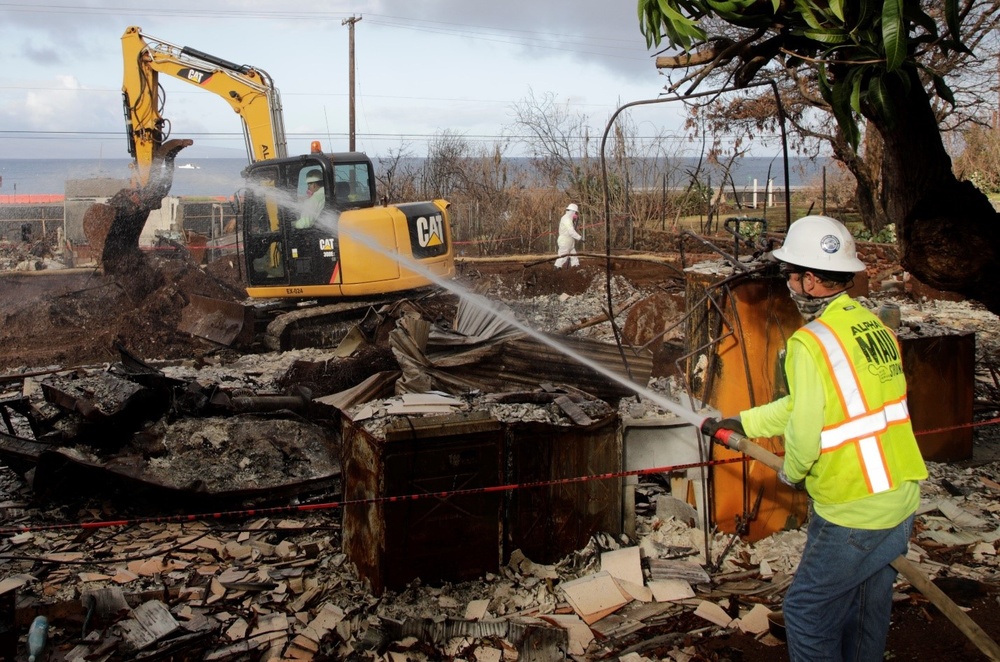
(430, 230)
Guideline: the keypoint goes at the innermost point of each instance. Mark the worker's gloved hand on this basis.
(784, 479)
(712, 425)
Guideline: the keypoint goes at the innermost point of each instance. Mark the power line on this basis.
(376, 136)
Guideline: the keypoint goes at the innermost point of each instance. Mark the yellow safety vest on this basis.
(867, 442)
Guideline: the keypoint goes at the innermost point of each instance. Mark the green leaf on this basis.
(893, 34)
(824, 83)
(827, 35)
(723, 6)
(775, 5)
(916, 15)
(840, 104)
(942, 89)
(649, 22)
(854, 84)
(681, 30)
(954, 22)
(837, 9)
(879, 101)
(866, 10)
(806, 12)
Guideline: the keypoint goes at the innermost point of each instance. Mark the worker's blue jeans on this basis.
(839, 604)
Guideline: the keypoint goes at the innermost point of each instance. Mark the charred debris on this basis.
(299, 454)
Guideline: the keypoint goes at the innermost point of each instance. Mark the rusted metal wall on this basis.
(940, 382)
(740, 337)
(455, 537)
(550, 521)
(439, 538)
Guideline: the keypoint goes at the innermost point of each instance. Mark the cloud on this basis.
(422, 67)
(586, 31)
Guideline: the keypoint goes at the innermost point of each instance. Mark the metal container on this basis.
(940, 389)
(401, 520)
(549, 521)
(889, 313)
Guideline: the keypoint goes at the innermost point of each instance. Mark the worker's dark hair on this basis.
(826, 277)
(834, 277)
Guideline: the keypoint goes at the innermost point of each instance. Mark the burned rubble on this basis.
(272, 576)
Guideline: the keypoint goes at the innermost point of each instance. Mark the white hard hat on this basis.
(572, 207)
(820, 242)
(314, 176)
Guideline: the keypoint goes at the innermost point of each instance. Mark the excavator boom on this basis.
(248, 90)
(115, 226)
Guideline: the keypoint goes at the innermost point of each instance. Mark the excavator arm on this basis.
(248, 90)
(113, 228)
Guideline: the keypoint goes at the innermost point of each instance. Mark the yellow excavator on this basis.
(312, 227)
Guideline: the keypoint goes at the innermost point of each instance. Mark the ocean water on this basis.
(212, 177)
(221, 176)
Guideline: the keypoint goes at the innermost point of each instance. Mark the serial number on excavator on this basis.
(294, 290)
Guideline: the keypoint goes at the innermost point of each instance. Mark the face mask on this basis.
(810, 307)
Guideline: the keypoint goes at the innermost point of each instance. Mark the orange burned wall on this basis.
(737, 328)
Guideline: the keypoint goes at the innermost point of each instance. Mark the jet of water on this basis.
(328, 221)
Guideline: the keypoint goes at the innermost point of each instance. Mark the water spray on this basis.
(486, 305)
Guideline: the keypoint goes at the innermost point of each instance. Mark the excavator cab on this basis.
(290, 223)
(312, 229)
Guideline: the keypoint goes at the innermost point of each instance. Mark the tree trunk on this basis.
(948, 231)
(867, 170)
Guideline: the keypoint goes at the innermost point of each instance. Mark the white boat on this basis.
(189, 166)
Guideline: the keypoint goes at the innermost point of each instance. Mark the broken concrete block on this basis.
(149, 622)
(713, 613)
(595, 596)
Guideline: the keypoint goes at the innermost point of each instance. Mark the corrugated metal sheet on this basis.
(492, 358)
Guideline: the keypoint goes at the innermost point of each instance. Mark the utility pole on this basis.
(350, 76)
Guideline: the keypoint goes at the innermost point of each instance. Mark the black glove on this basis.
(784, 479)
(711, 426)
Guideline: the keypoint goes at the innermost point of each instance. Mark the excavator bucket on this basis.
(113, 228)
(227, 323)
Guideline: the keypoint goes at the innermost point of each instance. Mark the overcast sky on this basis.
(422, 67)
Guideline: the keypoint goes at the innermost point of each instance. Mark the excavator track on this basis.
(275, 326)
(317, 326)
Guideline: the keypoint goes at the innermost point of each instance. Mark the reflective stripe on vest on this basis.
(861, 425)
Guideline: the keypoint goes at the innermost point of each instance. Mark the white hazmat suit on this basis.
(568, 236)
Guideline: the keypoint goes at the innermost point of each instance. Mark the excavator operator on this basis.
(314, 203)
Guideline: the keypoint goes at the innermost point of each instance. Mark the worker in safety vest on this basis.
(848, 442)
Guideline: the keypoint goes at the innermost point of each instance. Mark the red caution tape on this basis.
(301, 508)
(330, 505)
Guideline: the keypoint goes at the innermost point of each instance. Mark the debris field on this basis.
(167, 498)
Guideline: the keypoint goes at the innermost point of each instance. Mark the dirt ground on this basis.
(79, 317)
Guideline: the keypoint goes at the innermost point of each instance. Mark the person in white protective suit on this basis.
(568, 236)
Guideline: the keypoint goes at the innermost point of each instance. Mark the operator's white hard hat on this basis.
(314, 176)
(820, 242)
(572, 207)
